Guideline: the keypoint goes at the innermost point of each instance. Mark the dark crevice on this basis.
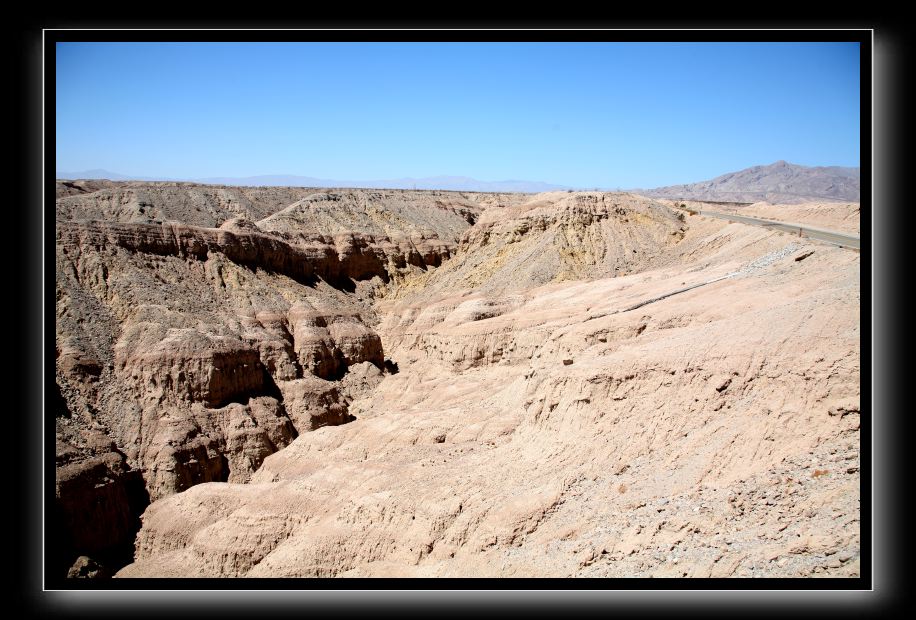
(73, 185)
(270, 387)
(342, 283)
(94, 525)
(58, 407)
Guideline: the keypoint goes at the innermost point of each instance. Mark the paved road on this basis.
(840, 239)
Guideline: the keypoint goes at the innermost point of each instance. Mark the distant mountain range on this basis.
(780, 182)
(466, 184)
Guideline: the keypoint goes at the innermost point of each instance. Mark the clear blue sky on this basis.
(586, 114)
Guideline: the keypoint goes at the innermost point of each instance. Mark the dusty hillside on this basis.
(141, 202)
(556, 236)
(779, 182)
(841, 216)
(835, 216)
(304, 209)
(589, 384)
(385, 212)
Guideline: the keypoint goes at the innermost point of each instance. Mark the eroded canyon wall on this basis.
(189, 353)
(592, 385)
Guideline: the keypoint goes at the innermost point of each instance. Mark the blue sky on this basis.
(584, 114)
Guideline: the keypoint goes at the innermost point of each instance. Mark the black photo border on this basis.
(883, 125)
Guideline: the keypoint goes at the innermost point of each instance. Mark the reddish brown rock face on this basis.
(312, 402)
(356, 342)
(189, 366)
(326, 345)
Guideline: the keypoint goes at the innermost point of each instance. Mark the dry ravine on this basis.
(272, 382)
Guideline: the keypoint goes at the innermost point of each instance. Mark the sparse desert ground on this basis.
(333, 382)
(839, 216)
(836, 216)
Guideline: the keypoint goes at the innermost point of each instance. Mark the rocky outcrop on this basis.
(269, 332)
(389, 213)
(196, 351)
(312, 402)
(326, 345)
(303, 258)
(78, 363)
(285, 209)
(191, 366)
(200, 444)
(555, 237)
(80, 186)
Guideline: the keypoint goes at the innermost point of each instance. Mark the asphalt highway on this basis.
(839, 239)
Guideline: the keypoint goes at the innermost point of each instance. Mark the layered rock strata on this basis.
(588, 384)
(196, 352)
(698, 416)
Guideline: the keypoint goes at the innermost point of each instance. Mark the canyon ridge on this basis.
(293, 382)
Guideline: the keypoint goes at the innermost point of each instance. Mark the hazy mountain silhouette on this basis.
(777, 182)
(439, 182)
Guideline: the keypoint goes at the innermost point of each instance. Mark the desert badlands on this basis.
(293, 382)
